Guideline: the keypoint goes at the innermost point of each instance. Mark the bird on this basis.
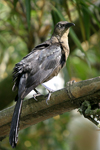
(40, 65)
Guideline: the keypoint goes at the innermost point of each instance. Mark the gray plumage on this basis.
(43, 63)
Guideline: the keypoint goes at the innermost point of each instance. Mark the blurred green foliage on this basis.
(26, 23)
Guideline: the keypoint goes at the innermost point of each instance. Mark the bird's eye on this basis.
(59, 25)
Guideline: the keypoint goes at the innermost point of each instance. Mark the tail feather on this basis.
(13, 137)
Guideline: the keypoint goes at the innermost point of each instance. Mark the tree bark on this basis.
(64, 100)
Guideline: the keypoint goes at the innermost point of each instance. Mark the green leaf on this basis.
(81, 21)
(55, 17)
(58, 12)
(28, 11)
(78, 43)
(92, 14)
(86, 20)
(76, 40)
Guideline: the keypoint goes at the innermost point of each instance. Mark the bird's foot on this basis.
(49, 94)
(37, 94)
(48, 98)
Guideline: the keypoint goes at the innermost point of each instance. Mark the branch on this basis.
(5, 99)
(64, 100)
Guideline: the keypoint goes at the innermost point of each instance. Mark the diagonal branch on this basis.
(64, 100)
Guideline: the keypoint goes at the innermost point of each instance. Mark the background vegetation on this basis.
(23, 25)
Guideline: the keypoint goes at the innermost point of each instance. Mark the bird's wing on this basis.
(36, 68)
(25, 64)
(47, 60)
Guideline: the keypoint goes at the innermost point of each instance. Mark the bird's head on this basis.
(62, 27)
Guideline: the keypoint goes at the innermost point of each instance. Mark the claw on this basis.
(48, 98)
(49, 94)
(37, 94)
(34, 96)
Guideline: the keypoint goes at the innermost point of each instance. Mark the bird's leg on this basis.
(37, 91)
(37, 94)
(49, 94)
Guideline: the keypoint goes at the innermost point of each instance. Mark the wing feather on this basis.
(37, 67)
(47, 64)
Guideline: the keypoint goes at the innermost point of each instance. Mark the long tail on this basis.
(13, 137)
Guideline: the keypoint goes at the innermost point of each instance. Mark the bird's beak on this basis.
(69, 25)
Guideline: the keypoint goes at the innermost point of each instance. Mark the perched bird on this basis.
(40, 65)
